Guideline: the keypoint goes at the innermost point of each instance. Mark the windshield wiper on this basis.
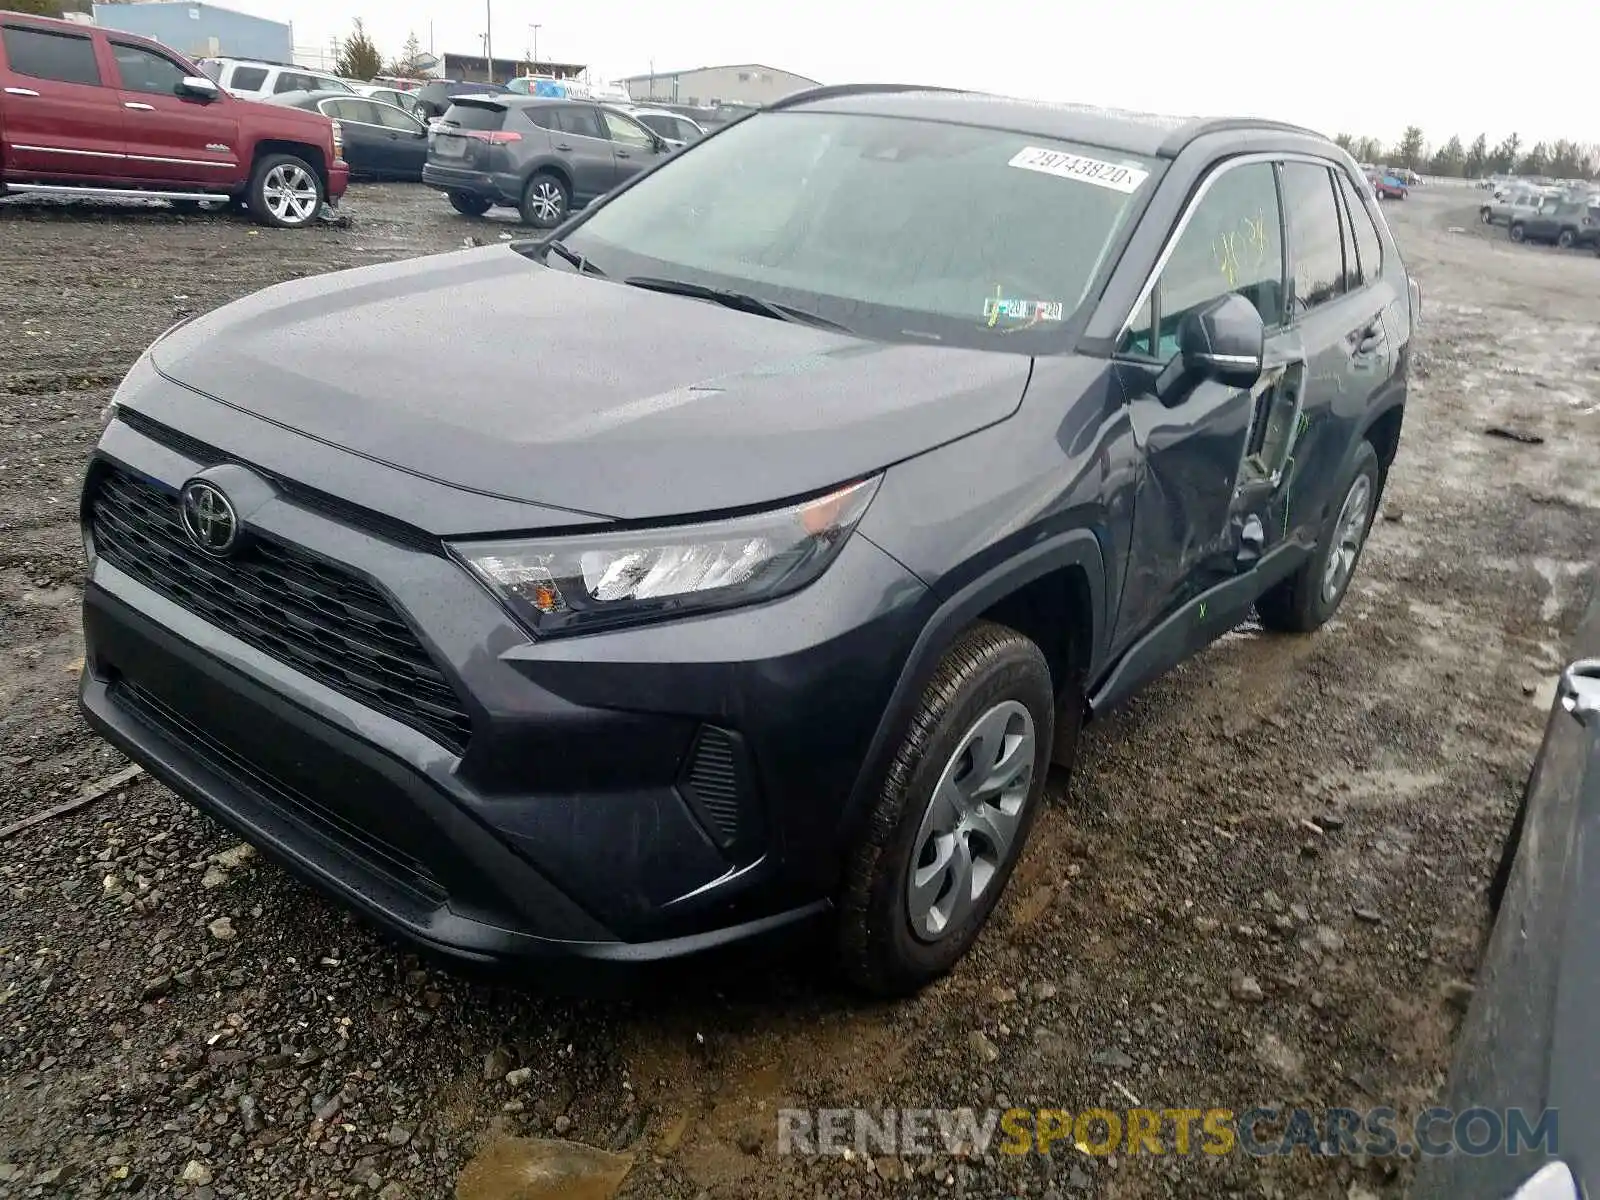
(585, 267)
(740, 301)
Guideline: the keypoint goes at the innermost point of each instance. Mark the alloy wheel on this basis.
(290, 192)
(971, 822)
(1349, 534)
(544, 199)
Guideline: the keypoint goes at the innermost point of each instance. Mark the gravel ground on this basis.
(178, 1018)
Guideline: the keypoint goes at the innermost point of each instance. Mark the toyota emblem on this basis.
(209, 519)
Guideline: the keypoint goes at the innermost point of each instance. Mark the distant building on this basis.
(741, 83)
(474, 68)
(201, 30)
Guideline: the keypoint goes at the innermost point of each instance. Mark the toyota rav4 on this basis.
(803, 497)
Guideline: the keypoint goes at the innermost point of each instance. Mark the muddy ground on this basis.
(307, 1056)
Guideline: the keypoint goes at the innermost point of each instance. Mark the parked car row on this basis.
(86, 111)
(1545, 215)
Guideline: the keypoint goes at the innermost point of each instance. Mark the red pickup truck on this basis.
(86, 111)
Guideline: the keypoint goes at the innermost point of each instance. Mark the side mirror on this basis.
(198, 87)
(1224, 341)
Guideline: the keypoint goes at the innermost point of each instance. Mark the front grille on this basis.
(315, 616)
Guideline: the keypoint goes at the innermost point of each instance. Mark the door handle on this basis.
(623, 154)
(141, 107)
(563, 146)
(21, 92)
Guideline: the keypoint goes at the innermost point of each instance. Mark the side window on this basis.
(391, 117)
(291, 81)
(1308, 198)
(581, 120)
(364, 112)
(63, 57)
(249, 79)
(1369, 249)
(627, 133)
(146, 71)
(1232, 242)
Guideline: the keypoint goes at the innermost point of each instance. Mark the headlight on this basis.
(338, 140)
(108, 414)
(579, 583)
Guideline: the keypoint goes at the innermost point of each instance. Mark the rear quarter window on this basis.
(249, 79)
(62, 57)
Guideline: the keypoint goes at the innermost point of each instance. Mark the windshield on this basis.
(888, 226)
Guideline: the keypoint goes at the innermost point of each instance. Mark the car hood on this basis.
(490, 372)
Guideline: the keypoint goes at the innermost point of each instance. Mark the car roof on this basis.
(1134, 132)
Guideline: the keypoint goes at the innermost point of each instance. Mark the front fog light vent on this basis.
(714, 783)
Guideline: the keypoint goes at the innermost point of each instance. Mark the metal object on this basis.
(545, 199)
(40, 189)
(967, 831)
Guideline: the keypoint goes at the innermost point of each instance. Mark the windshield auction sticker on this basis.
(1115, 176)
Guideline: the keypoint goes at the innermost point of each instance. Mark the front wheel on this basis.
(545, 201)
(468, 205)
(1304, 601)
(953, 814)
(285, 192)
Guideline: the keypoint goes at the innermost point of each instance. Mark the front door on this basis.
(581, 139)
(1193, 521)
(62, 120)
(633, 145)
(367, 145)
(172, 139)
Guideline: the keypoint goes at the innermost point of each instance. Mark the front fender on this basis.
(947, 616)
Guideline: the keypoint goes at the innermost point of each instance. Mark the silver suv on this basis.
(1505, 209)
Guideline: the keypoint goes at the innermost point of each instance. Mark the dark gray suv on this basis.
(752, 557)
(541, 156)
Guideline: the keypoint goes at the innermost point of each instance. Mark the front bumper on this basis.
(577, 819)
(338, 179)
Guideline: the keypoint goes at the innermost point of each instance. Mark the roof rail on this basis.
(1182, 137)
(831, 91)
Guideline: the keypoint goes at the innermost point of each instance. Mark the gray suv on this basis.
(541, 156)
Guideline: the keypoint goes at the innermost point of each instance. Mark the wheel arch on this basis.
(553, 166)
(1068, 568)
(313, 156)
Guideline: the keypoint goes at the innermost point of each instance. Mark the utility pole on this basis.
(535, 30)
(488, 39)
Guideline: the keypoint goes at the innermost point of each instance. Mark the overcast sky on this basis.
(1358, 66)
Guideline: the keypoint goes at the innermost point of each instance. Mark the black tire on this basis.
(293, 168)
(546, 200)
(1508, 857)
(1566, 239)
(1486, 215)
(1301, 603)
(469, 205)
(1517, 232)
(988, 666)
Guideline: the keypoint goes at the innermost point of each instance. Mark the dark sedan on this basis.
(380, 140)
(1530, 1047)
(433, 99)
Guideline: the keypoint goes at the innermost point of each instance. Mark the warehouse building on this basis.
(201, 30)
(741, 83)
